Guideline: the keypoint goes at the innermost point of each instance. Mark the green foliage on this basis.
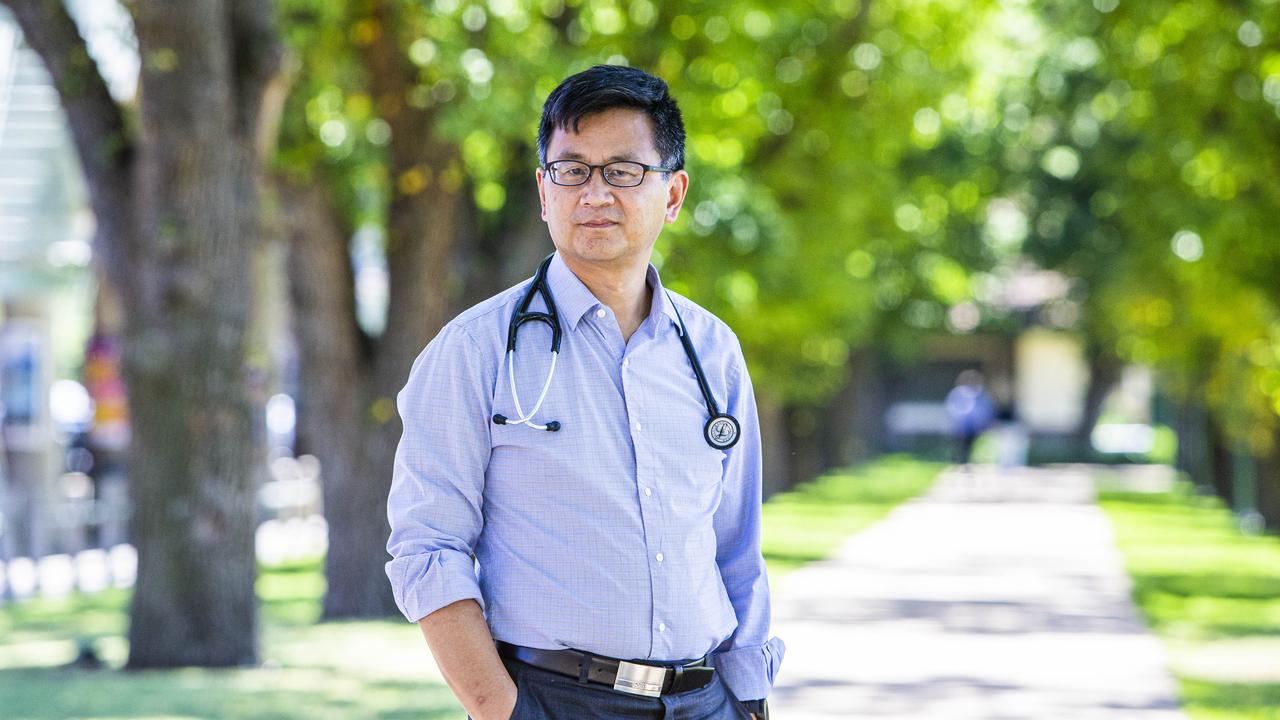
(818, 147)
(1146, 159)
(862, 171)
(1210, 592)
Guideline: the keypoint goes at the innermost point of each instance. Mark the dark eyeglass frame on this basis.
(553, 172)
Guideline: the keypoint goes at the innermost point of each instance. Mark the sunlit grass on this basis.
(1211, 593)
(366, 669)
(809, 522)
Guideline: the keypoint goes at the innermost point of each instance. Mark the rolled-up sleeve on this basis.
(437, 485)
(749, 660)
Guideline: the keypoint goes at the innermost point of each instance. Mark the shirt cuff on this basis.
(749, 671)
(426, 582)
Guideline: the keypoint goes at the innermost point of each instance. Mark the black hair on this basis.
(605, 87)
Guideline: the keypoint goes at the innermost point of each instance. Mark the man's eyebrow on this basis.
(629, 157)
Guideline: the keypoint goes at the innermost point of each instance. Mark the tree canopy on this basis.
(863, 170)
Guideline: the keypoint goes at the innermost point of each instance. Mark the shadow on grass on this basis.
(1236, 586)
(1232, 700)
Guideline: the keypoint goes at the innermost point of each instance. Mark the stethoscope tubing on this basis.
(719, 425)
(712, 409)
(511, 374)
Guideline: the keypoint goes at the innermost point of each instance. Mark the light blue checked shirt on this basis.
(624, 534)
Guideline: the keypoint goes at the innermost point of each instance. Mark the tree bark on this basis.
(804, 444)
(493, 261)
(852, 422)
(1104, 373)
(177, 211)
(774, 446)
(333, 361)
(1191, 426)
(205, 74)
(1221, 465)
(420, 233)
(1269, 484)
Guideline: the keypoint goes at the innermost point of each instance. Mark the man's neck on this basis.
(623, 289)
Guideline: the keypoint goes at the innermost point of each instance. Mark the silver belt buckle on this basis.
(639, 679)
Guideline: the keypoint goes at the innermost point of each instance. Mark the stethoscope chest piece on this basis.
(721, 431)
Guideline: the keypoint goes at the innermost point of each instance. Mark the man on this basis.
(615, 526)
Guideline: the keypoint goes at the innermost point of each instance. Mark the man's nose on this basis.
(596, 191)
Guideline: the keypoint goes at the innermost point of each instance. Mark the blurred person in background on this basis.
(618, 544)
(971, 411)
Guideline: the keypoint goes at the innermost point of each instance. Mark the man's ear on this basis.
(539, 176)
(676, 190)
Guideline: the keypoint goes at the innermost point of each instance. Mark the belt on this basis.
(621, 675)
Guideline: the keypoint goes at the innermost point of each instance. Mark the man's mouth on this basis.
(599, 223)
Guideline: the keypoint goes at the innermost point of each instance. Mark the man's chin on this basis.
(600, 249)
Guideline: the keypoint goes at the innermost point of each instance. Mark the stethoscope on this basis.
(722, 429)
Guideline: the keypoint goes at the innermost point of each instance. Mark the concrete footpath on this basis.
(998, 596)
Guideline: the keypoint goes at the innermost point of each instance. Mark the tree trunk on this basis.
(349, 381)
(493, 261)
(1191, 426)
(835, 430)
(804, 442)
(347, 413)
(334, 357)
(1269, 484)
(1104, 373)
(177, 213)
(1221, 467)
(774, 447)
(853, 421)
(195, 454)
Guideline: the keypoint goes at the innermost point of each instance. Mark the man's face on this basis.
(598, 223)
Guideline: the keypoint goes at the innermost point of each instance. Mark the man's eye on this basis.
(574, 172)
(622, 174)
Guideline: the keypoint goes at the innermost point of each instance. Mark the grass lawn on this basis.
(378, 669)
(1211, 593)
(361, 669)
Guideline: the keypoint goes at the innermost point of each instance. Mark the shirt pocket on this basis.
(692, 466)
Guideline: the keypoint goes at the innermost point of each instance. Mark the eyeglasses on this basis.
(623, 173)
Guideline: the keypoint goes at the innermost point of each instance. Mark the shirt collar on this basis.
(574, 299)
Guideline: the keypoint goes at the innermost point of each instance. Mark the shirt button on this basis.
(659, 557)
(626, 363)
(662, 627)
(636, 425)
(648, 492)
(600, 313)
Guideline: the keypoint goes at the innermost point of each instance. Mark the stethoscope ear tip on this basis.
(553, 426)
(499, 419)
